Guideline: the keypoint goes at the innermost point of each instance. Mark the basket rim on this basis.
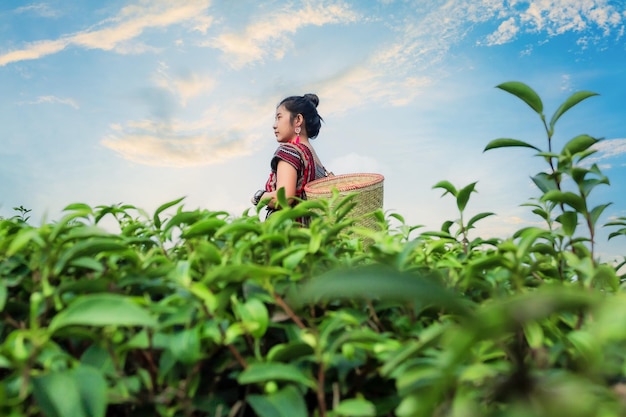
(376, 179)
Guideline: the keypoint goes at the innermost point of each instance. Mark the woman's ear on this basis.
(298, 120)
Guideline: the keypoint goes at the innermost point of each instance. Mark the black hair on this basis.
(305, 105)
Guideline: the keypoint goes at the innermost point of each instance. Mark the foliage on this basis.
(197, 313)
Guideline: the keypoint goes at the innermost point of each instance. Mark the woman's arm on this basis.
(287, 178)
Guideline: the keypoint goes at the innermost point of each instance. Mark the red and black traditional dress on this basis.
(301, 158)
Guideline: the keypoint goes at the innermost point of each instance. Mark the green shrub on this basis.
(197, 313)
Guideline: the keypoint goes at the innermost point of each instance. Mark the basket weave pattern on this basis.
(367, 187)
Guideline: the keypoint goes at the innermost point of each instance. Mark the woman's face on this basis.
(284, 130)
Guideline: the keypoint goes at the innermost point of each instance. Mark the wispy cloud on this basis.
(556, 17)
(219, 135)
(606, 150)
(115, 32)
(609, 148)
(184, 86)
(40, 9)
(153, 147)
(53, 100)
(270, 34)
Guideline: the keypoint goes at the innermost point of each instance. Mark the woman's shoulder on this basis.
(292, 148)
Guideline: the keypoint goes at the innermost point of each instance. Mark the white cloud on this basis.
(556, 17)
(270, 34)
(610, 148)
(606, 149)
(40, 9)
(506, 32)
(116, 32)
(208, 140)
(153, 147)
(566, 82)
(184, 86)
(52, 99)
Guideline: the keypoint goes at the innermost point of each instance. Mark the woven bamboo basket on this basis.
(368, 188)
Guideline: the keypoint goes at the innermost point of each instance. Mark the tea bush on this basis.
(197, 313)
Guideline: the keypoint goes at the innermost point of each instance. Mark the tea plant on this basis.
(199, 313)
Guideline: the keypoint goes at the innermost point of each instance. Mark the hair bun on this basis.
(313, 98)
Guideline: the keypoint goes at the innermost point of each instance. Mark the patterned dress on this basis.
(301, 158)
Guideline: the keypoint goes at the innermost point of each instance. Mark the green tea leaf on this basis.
(606, 278)
(476, 218)
(203, 227)
(253, 311)
(569, 198)
(568, 104)
(596, 212)
(102, 310)
(544, 182)
(355, 407)
(275, 371)
(92, 388)
(163, 207)
(447, 186)
(185, 345)
(79, 392)
(236, 273)
(525, 93)
(569, 221)
(289, 352)
(78, 207)
(90, 247)
(578, 144)
(23, 238)
(508, 143)
(288, 402)
(58, 395)
(3, 295)
(378, 282)
(463, 196)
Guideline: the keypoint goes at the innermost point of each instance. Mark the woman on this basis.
(295, 163)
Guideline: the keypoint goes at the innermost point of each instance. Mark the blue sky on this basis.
(141, 102)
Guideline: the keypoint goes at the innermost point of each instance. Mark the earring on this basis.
(297, 140)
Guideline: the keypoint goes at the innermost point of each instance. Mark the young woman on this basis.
(295, 162)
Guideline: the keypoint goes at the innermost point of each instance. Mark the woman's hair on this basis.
(305, 105)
